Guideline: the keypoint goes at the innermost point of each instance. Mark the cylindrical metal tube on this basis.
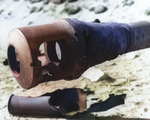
(96, 43)
(82, 45)
(51, 104)
(40, 106)
(141, 33)
(105, 41)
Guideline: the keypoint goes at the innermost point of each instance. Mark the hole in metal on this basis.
(54, 52)
(14, 64)
(42, 56)
(58, 50)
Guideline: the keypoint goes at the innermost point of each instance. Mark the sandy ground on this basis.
(130, 72)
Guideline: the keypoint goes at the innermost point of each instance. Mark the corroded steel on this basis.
(82, 45)
(51, 104)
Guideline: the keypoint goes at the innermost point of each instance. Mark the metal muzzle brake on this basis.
(79, 44)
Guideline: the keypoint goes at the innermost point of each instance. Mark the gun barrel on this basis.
(51, 104)
(82, 45)
(141, 32)
(105, 41)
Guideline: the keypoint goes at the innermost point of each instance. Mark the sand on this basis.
(130, 72)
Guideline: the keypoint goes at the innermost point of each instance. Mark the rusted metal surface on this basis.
(82, 45)
(23, 49)
(51, 104)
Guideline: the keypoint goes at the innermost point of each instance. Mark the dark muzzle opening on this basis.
(14, 64)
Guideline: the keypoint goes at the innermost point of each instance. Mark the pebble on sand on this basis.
(58, 1)
(72, 9)
(100, 9)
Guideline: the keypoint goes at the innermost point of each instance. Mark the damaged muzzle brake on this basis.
(50, 104)
(71, 47)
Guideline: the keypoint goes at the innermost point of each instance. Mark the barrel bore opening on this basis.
(14, 64)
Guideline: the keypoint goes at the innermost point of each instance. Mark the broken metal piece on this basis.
(51, 104)
(112, 101)
(81, 45)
